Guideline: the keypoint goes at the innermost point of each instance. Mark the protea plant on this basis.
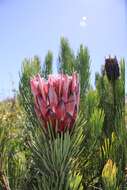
(56, 100)
(112, 68)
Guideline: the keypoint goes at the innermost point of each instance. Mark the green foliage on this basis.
(96, 122)
(12, 148)
(3, 152)
(47, 67)
(66, 61)
(83, 68)
(112, 100)
(29, 69)
(91, 102)
(90, 156)
(76, 182)
(54, 158)
(114, 150)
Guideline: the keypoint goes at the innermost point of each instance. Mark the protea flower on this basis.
(56, 100)
(112, 68)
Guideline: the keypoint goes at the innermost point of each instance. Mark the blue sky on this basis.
(32, 27)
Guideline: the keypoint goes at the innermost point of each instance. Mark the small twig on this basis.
(4, 181)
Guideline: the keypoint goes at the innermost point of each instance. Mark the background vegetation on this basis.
(93, 157)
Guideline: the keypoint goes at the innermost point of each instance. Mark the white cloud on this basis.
(83, 21)
(84, 18)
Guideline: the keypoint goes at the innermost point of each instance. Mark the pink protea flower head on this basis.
(56, 99)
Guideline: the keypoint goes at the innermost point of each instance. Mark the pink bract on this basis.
(56, 99)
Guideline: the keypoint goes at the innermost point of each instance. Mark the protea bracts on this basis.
(56, 100)
(112, 68)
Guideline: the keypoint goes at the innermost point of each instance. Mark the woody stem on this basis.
(4, 181)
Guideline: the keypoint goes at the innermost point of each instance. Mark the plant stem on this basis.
(4, 181)
(114, 102)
